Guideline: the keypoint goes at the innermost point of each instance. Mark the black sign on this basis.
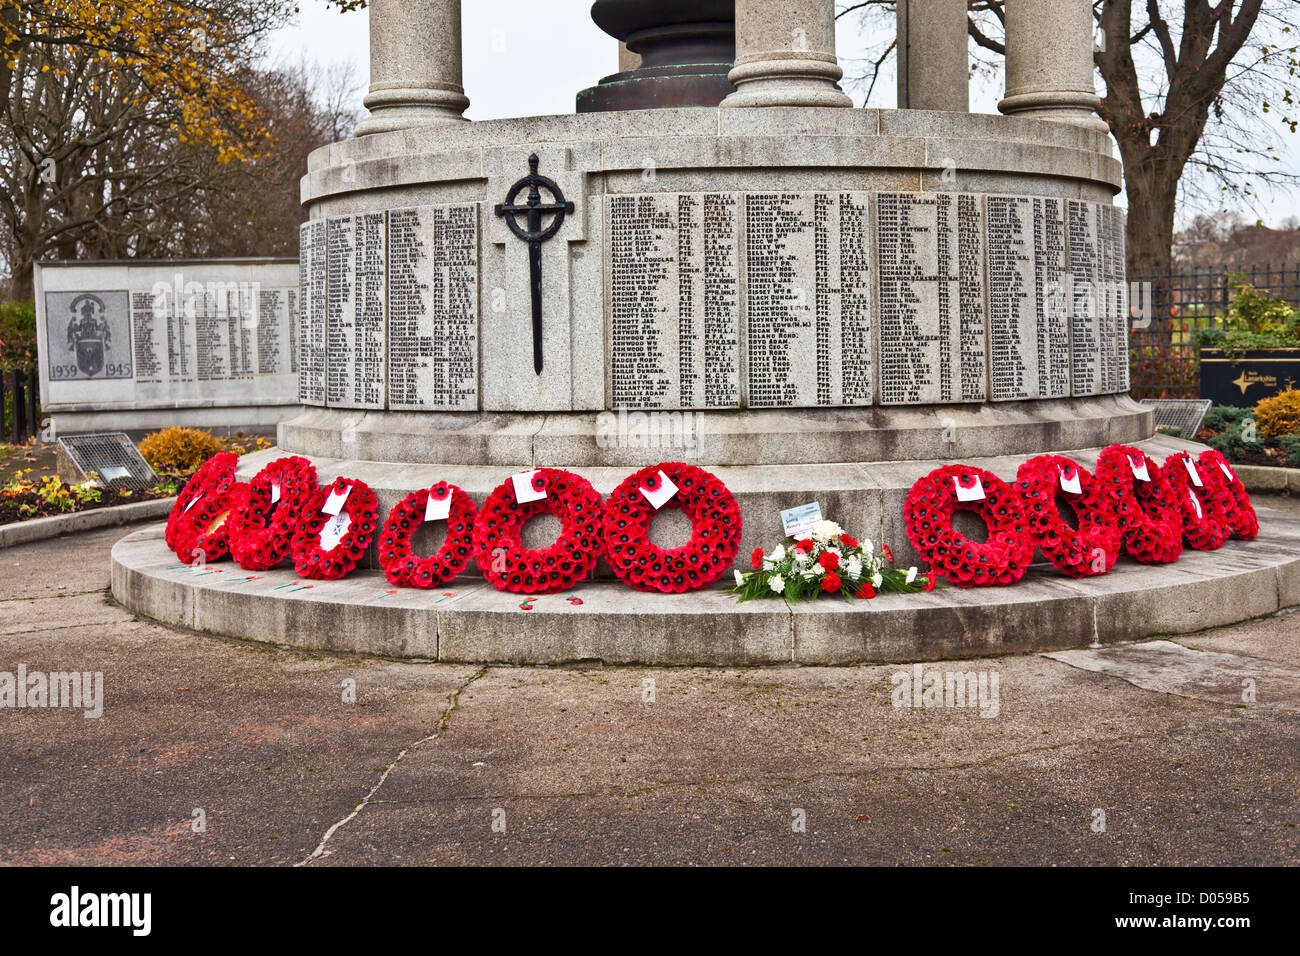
(1247, 377)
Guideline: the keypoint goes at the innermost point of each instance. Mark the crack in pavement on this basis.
(443, 721)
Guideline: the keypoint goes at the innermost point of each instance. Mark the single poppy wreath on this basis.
(927, 515)
(1228, 493)
(1146, 513)
(503, 559)
(261, 530)
(1205, 523)
(402, 567)
(347, 534)
(196, 527)
(715, 530)
(1078, 552)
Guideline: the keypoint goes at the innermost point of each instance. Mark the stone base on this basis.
(468, 620)
(747, 437)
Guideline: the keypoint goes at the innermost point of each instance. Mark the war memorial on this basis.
(718, 261)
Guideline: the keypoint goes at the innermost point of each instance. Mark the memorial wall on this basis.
(744, 299)
(158, 335)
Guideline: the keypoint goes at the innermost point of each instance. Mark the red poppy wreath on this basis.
(328, 546)
(1078, 552)
(1205, 523)
(507, 564)
(1145, 510)
(715, 530)
(927, 515)
(204, 499)
(261, 531)
(1229, 494)
(402, 567)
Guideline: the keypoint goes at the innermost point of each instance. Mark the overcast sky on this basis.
(530, 57)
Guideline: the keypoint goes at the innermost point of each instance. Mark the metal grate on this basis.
(110, 455)
(1185, 414)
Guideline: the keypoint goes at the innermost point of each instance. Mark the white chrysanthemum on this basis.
(866, 547)
(911, 575)
(825, 530)
(801, 556)
(779, 554)
(740, 578)
(776, 583)
(877, 578)
(854, 567)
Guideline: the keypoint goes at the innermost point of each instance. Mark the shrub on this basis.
(1279, 415)
(1220, 417)
(1291, 445)
(17, 335)
(1232, 443)
(178, 451)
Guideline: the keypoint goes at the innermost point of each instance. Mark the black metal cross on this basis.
(535, 234)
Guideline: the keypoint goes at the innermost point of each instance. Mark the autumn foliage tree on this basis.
(111, 109)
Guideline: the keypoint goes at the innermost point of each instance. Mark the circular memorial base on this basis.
(468, 620)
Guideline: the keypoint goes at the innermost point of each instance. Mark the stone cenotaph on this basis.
(731, 266)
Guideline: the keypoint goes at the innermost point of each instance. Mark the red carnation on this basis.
(756, 559)
(805, 545)
(831, 582)
(848, 541)
(865, 591)
(889, 555)
(829, 560)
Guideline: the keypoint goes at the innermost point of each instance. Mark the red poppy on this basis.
(400, 564)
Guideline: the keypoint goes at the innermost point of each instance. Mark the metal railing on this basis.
(19, 397)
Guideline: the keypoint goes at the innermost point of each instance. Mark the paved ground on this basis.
(438, 763)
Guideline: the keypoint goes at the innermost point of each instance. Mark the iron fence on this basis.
(19, 394)
(1163, 353)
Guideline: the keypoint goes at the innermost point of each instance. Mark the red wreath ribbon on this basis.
(511, 567)
(404, 568)
(1091, 548)
(1206, 527)
(927, 514)
(204, 499)
(261, 533)
(310, 560)
(1228, 493)
(715, 530)
(1148, 517)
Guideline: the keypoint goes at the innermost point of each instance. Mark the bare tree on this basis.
(1190, 87)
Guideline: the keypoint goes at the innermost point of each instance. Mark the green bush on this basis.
(1291, 445)
(17, 335)
(1220, 417)
(1253, 321)
(1231, 443)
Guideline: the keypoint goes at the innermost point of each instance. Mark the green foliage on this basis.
(1253, 321)
(1291, 445)
(1170, 430)
(1232, 443)
(1220, 417)
(17, 335)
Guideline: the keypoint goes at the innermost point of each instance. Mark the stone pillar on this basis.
(1049, 62)
(785, 55)
(415, 74)
(932, 56)
(627, 60)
